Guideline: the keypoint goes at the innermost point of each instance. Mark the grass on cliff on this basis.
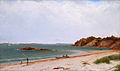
(107, 59)
(117, 68)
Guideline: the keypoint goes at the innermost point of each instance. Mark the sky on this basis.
(57, 21)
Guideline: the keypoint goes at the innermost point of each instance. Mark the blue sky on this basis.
(57, 21)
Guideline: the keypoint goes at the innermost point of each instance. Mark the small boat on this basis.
(62, 57)
(9, 44)
(58, 57)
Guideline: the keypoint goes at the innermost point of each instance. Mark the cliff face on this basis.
(108, 42)
(116, 45)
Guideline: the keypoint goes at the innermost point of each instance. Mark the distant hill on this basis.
(107, 42)
(34, 44)
(63, 43)
(19, 43)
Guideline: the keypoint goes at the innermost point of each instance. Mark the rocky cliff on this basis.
(107, 42)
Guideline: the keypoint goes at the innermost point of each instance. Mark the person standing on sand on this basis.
(63, 56)
(21, 61)
(27, 60)
(66, 55)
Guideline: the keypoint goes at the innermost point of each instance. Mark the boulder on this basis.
(26, 48)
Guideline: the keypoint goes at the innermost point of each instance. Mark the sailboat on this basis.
(9, 44)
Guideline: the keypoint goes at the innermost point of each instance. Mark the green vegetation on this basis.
(102, 60)
(114, 57)
(117, 68)
(107, 59)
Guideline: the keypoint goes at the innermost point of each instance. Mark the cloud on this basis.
(57, 21)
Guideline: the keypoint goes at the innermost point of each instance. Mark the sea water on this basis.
(12, 54)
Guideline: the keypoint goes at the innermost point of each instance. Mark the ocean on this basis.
(12, 54)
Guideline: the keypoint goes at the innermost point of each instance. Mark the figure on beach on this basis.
(27, 60)
(65, 55)
(21, 61)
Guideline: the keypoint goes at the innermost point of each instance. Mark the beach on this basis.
(74, 63)
(59, 35)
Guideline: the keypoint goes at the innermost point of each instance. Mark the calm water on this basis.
(11, 54)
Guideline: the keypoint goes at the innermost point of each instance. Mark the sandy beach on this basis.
(73, 63)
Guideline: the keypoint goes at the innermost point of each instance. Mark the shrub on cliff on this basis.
(111, 38)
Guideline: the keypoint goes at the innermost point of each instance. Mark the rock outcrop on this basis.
(30, 48)
(108, 42)
(116, 45)
(92, 43)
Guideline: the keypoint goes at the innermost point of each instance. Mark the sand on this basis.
(73, 63)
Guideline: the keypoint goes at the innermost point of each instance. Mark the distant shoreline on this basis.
(35, 43)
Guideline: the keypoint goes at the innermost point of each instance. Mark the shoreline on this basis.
(94, 52)
(31, 61)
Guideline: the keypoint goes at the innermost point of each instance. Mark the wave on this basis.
(16, 59)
